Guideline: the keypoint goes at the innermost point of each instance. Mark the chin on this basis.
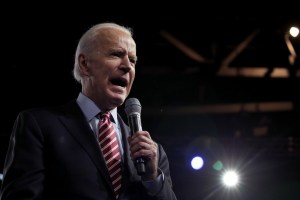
(118, 100)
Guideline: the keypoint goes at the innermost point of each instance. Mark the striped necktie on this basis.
(110, 150)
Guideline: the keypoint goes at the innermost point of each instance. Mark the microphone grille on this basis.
(132, 105)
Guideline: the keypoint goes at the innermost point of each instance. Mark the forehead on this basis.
(117, 38)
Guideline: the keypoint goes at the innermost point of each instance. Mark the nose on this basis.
(126, 64)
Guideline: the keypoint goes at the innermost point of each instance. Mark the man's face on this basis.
(111, 70)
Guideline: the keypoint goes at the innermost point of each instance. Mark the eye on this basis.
(117, 54)
(133, 60)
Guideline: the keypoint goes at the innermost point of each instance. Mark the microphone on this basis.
(133, 111)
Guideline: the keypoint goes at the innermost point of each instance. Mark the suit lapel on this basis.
(75, 123)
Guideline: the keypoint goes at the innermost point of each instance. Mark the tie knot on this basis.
(104, 115)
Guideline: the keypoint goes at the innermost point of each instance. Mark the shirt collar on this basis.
(90, 109)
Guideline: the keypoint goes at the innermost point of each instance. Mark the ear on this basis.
(83, 65)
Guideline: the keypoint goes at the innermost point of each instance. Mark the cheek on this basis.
(131, 83)
(103, 75)
(132, 74)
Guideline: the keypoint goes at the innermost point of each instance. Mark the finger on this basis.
(138, 146)
(145, 153)
(141, 134)
(138, 140)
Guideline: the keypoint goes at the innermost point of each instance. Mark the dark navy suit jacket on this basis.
(53, 154)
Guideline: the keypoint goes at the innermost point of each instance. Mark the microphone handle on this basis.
(135, 125)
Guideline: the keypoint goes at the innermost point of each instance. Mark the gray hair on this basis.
(87, 43)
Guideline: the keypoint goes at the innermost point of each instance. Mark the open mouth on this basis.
(119, 82)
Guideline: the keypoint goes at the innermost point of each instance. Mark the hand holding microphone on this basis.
(142, 147)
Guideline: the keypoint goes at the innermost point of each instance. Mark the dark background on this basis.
(188, 106)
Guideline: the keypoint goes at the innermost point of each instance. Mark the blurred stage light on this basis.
(294, 31)
(197, 163)
(202, 152)
(218, 165)
(230, 178)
